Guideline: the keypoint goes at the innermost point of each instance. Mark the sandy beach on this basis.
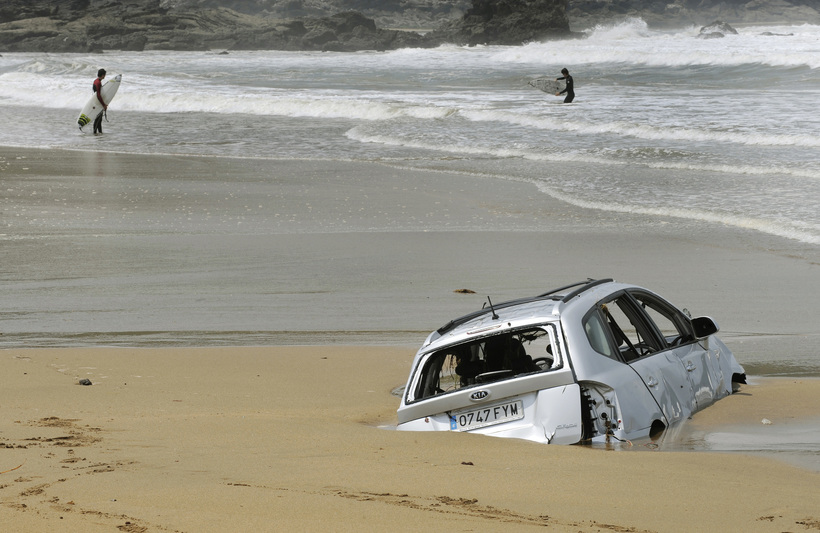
(295, 437)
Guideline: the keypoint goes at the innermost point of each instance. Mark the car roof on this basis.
(547, 306)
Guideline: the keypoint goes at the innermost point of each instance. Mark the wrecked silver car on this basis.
(590, 362)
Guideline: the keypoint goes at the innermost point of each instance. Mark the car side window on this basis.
(628, 328)
(673, 326)
(596, 334)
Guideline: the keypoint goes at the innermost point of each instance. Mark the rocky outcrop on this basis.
(210, 29)
(395, 14)
(404, 14)
(98, 25)
(507, 22)
(716, 30)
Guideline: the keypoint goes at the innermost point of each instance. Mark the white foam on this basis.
(771, 227)
(631, 42)
(28, 89)
(800, 231)
(535, 154)
(640, 130)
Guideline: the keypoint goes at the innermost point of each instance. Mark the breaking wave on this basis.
(632, 43)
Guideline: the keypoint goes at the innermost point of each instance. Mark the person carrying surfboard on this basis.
(569, 89)
(97, 87)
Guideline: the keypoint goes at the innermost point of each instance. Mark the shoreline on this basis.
(756, 366)
(236, 438)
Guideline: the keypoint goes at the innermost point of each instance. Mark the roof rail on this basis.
(565, 287)
(466, 318)
(592, 283)
(549, 295)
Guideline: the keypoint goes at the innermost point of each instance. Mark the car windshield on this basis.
(488, 359)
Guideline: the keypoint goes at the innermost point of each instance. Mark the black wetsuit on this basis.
(570, 88)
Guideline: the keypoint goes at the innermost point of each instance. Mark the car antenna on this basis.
(495, 315)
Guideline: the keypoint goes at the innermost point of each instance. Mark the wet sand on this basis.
(124, 249)
(102, 249)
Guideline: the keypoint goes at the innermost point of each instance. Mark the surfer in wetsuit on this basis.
(97, 87)
(569, 89)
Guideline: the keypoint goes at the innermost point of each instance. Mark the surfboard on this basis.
(549, 85)
(93, 108)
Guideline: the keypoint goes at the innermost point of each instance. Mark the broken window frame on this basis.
(440, 367)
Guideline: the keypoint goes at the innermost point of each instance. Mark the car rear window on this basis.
(489, 359)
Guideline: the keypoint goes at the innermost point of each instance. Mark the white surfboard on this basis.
(93, 108)
(549, 85)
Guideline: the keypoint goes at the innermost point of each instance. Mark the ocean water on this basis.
(732, 120)
(718, 131)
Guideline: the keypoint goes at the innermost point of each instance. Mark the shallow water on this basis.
(793, 442)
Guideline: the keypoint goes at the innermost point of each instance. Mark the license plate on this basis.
(487, 416)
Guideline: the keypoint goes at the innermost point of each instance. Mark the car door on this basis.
(609, 378)
(702, 373)
(667, 380)
(702, 369)
(661, 369)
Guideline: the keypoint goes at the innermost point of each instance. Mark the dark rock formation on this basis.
(407, 14)
(716, 30)
(351, 31)
(221, 28)
(718, 26)
(98, 25)
(508, 22)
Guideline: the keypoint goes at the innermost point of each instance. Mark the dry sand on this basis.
(293, 439)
